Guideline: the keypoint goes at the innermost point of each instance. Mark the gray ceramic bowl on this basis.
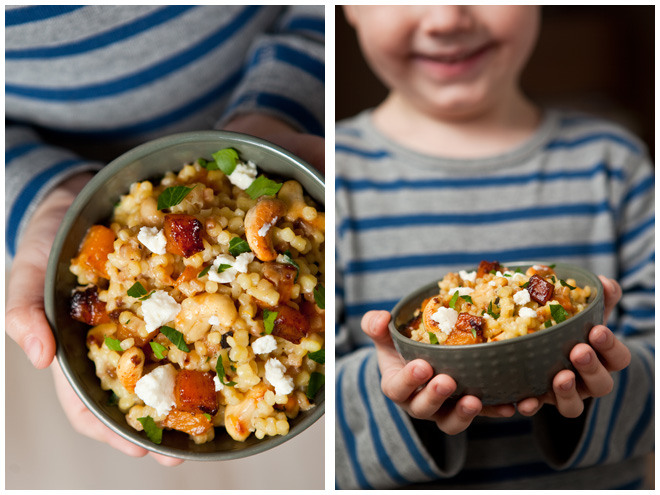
(93, 205)
(510, 370)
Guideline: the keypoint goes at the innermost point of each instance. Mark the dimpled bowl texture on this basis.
(94, 205)
(510, 370)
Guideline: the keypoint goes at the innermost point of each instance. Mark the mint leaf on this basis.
(318, 356)
(172, 196)
(204, 271)
(158, 349)
(113, 400)
(433, 338)
(467, 299)
(316, 381)
(113, 344)
(474, 333)
(137, 290)
(269, 321)
(175, 337)
(319, 296)
(223, 267)
(220, 370)
(562, 282)
(547, 324)
(207, 416)
(288, 259)
(154, 433)
(490, 311)
(225, 160)
(452, 303)
(262, 186)
(558, 312)
(238, 246)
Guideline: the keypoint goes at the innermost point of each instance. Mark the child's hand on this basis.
(594, 363)
(401, 382)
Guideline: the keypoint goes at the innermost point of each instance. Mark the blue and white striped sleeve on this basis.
(620, 425)
(285, 72)
(32, 170)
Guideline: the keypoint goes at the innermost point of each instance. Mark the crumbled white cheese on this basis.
(237, 265)
(159, 309)
(492, 283)
(153, 239)
(521, 297)
(214, 320)
(275, 375)
(218, 384)
(445, 318)
(527, 313)
(516, 278)
(468, 276)
(462, 291)
(156, 389)
(266, 227)
(264, 345)
(243, 175)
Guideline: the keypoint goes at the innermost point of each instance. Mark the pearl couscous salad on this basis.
(206, 298)
(495, 303)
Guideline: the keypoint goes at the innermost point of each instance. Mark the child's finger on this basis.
(530, 406)
(399, 384)
(459, 417)
(568, 401)
(374, 324)
(164, 460)
(427, 401)
(597, 380)
(498, 411)
(612, 293)
(613, 353)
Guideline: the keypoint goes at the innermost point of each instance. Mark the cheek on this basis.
(387, 59)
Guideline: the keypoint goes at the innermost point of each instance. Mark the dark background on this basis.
(598, 59)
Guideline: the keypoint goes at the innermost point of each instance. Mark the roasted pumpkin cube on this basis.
(184, 234)
(86, 307)
(283, 277)
(97, 244)
(540, 290)
(467, 330)
(487, 266)
(193, 423)
(290, 324)
(195, 392)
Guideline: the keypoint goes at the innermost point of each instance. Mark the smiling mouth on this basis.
(458, 57)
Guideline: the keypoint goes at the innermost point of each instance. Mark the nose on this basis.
(447, 19)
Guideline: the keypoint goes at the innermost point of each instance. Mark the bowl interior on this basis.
(94, 205)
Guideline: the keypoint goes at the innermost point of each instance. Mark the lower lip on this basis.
(455, 70)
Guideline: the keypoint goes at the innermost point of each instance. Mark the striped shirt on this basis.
(84, 84)
(581, 191)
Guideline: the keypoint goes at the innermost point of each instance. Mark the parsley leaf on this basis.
(223, 267)
(558, 312)
(207, 416)
(316, 381)
(172, 196)
(467, 299)
(204, 271)
(319, 296)
(269, 321)
(433, 338)
(318, 356)
(263, 187)
(220, 370)
(113, 400)
(562, 282)
(288, 259)
(158, 349)
(454, 299)
(175, 337)
(113, 344)
(547, 324)
(490, 311)
(474, 332)
(238, 246)
(225, 160)
(154, 433)
(137, 290)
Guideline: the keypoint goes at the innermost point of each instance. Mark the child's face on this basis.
(451, 61)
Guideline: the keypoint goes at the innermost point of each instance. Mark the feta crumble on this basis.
(445, 318)
(156, 389)
(521, 297)
(243, 175)
(264, 345)
(238, 265)
(153, 239)
(275, 375)
(218, 384)
(159, 309)
(266, 227)
(527, 313)
(214, 320)
(468, 276)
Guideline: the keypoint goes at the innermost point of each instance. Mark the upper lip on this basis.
(454, 54)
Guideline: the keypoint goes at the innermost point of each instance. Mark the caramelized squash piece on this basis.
(187, 275)
(290, 324)
(467, 330)
(540, 290)
(283, 277)
(187, 422)
(97, 244)
(183, 234)
(86, 307)
(195, 392)
(487, 266)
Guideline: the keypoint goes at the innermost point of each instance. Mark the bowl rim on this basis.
(490, 345)
(83, 197)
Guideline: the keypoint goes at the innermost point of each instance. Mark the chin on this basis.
(456, 105)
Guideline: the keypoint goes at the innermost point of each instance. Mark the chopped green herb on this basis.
(172, 196)
(127, 321)
(203, 162)
(158, 349)
(552, 266)
(225, 160)
(490, 311)
(154, 433)
(467, 299)
(474, 332)
(525, 285)
(493, 272)
(559, 314)
(113, 400)
(316, 381)
(562, 282)
(137, 290)
(547, 324)
(452, 303)
(318, 356)
(223, 267)
(204, 271)
(238, 246)
(220, 370)
(319, 296)
(269, 321)
(263, 187)
(554, 281)
(232, 367)
(507, 275)
(175, 337)
(518, 270)
(288, 258)
(113, 344)
(207, 416)
(433, 339)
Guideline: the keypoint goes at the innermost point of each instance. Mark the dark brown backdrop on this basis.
(594, 58)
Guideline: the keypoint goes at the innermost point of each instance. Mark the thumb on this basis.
(374, 324)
